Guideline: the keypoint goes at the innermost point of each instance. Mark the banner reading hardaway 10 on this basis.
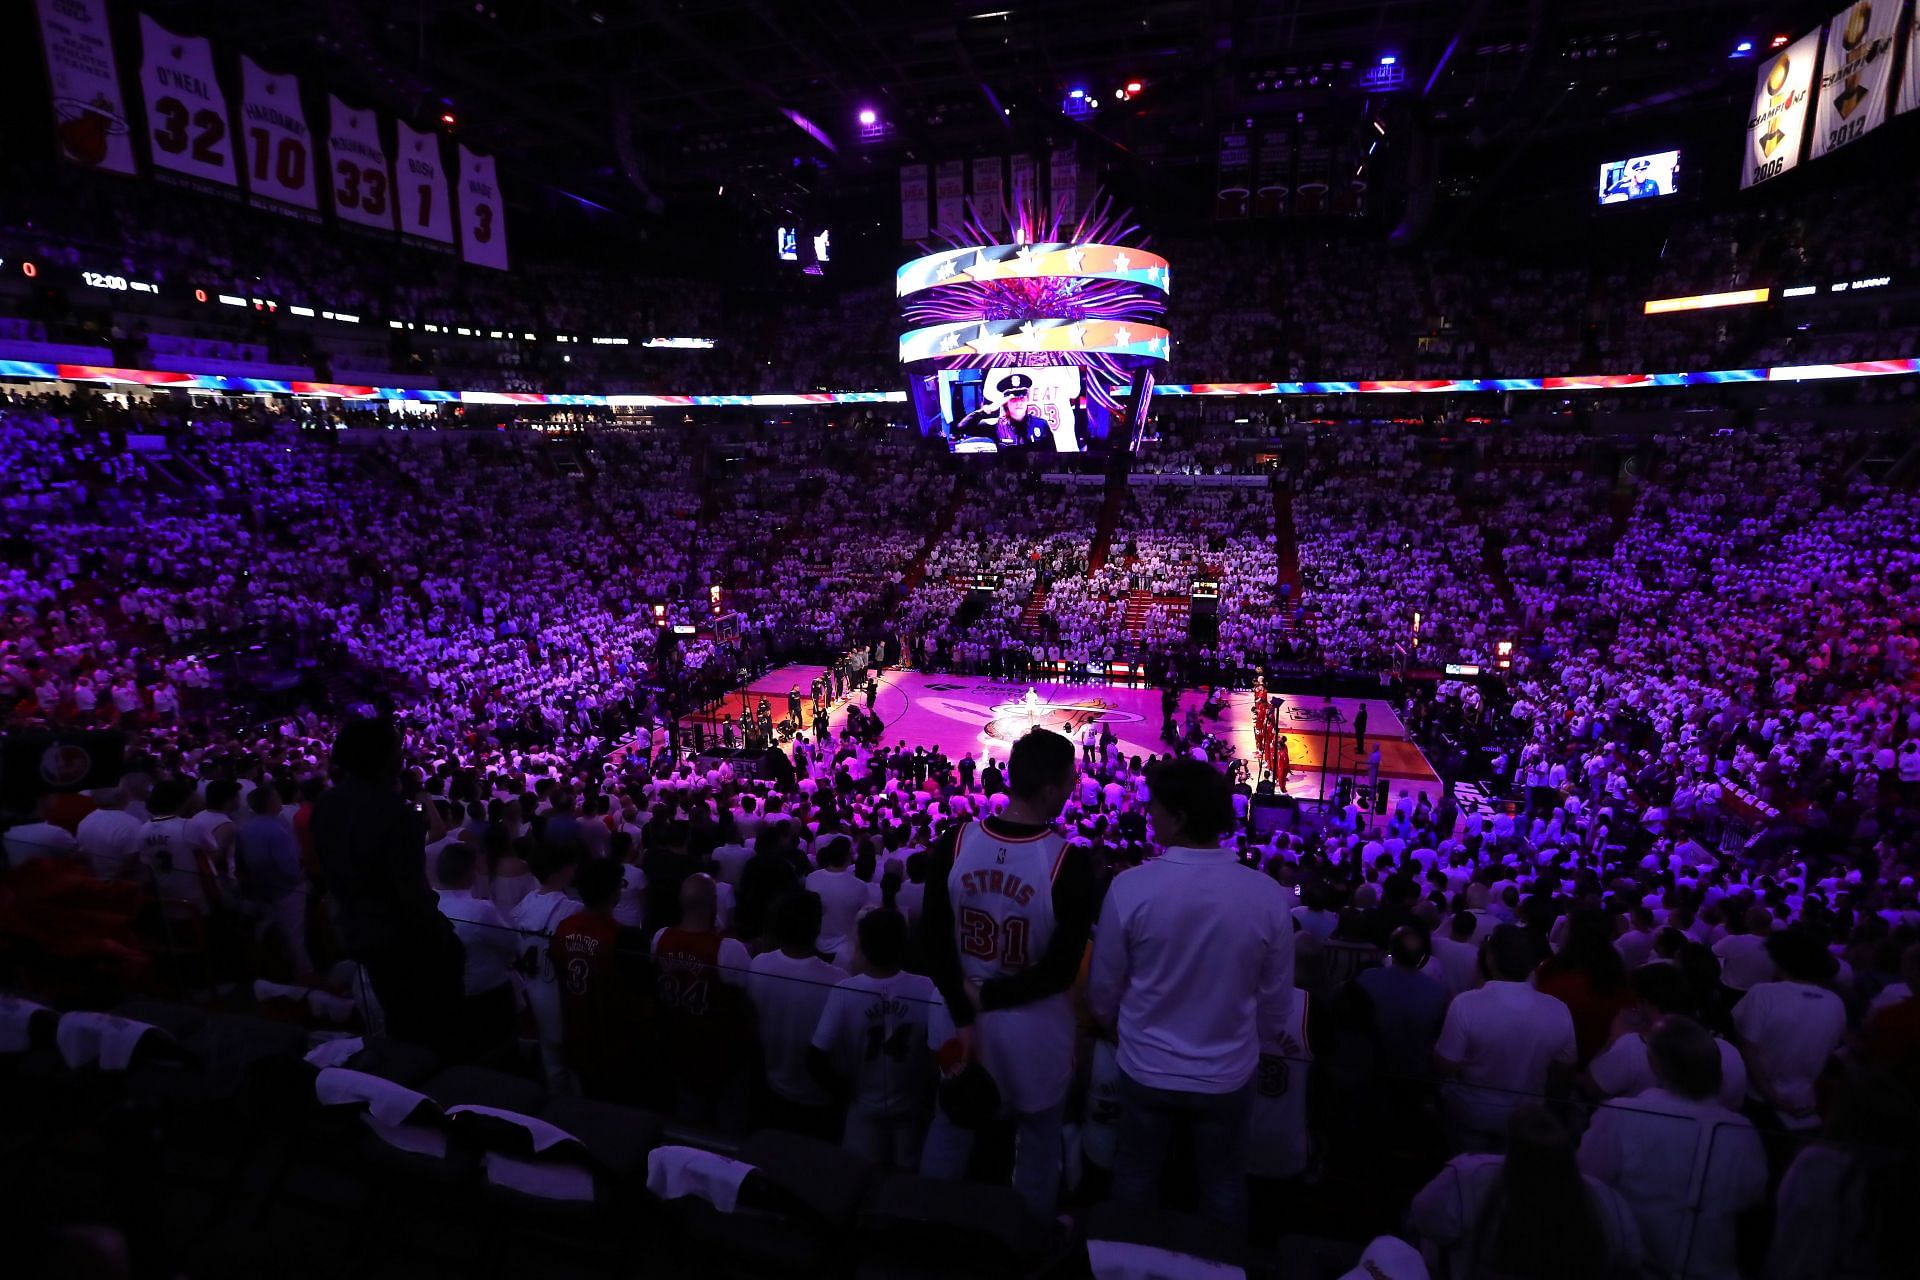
(278, 147)
(1856, 74)
(188, 128)
(89, 115)
(1779, 114)
(483, 220)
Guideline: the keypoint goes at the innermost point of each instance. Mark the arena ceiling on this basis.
(632, 103)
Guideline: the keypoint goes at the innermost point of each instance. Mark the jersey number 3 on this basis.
(984, 938)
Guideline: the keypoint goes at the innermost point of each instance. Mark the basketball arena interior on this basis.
(1177, 639)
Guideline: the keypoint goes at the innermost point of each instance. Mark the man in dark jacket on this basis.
(371, 843)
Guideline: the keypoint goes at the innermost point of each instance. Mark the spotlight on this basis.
(1779, 42)
(868, 117)
(1134, 86)
(1389, 59)
(1745, 46)
(1076, 93)
(446, 118)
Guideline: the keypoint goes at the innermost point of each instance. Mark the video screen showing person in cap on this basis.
(1022, 411)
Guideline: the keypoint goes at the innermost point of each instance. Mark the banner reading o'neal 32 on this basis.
(1856, 74)
(1779, 115)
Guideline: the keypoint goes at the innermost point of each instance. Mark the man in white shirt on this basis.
(1501, 1043)
(1686, 1165)
(533, 920)
(1789, 1028)
(872, 1045)
(39, 839)
(1456, 955)
(109, 837)
(210, 832)
(842, 897)
(1743, 952)
(788, 988)
(491, 948)
(1193, 967)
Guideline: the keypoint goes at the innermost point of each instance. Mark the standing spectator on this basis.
(1788, 1028)
(602, 969)
(484, 1019)
(1687, 1165)
(1004, 926)
(534, 919)
(1529, 1212)
(1502, 1043)
(871, 1045)
(842, 895)
(698, 975)
(372, 847)
(1589, 977)
(270, 874)
(1193, 967)
(788, 988)
(1407, 1005)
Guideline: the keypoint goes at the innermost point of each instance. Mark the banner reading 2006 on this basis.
(1856, 74)
(1779, 115)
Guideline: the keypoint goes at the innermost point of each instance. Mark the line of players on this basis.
(1270, 747)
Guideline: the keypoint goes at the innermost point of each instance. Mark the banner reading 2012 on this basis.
(1856, 74)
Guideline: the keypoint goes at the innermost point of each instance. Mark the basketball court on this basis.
(979, 715)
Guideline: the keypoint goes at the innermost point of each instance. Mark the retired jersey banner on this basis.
(950, 197)
(989, 199)
(1856, 74)
(913, 202)
(357, 167)
(1025, 185)
(483, 221)
(1779, 114)
(89, 115)
(1064, 185)
(1910, 81)
(187, 125)
(420, 193)
(278, 147)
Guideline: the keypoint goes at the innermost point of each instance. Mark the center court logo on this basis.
(1016, 716)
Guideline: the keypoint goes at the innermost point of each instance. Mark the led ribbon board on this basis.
(989, 262)
(1035, 338)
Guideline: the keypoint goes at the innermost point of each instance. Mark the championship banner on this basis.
(913, 202)
(988, 209)
(483, 219)
(1065, 186)
(187, 126)
(420, 186)
(950, 197)
(89, 115)
(360, 175)
(278, 146)
(1025, 185)
(1779, 114)
(1910, 82)
(1856, 74)
(1313, 166)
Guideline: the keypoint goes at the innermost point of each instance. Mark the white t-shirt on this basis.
(843, 896)
(631, 909)
(1504, 1035)
(875, 1029)
(32, 840)
(1622, 1070)
(108, 837)
(788, 996)
(1744, 962)
(1791, 1029)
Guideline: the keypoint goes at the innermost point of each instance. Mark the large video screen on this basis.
(1035, 408)
(1640, 178)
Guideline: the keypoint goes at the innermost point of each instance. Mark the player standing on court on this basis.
(1008, 910)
